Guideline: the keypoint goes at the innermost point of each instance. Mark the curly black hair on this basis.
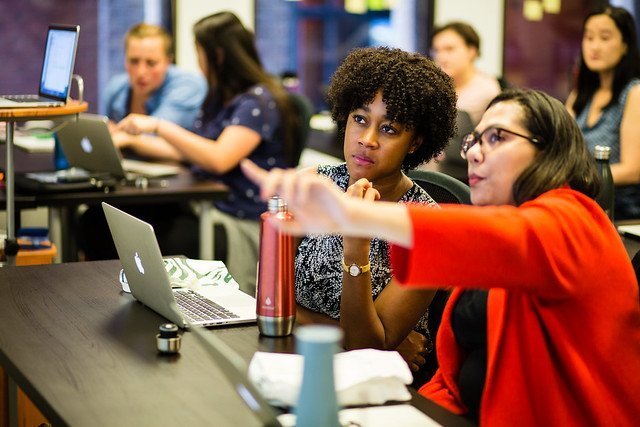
(417, 93)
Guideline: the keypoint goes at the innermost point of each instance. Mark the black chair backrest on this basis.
(453, 164)
(635, 261)
(304, 110)
(442, 187)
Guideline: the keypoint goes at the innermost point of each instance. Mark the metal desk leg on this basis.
(206, 230)
(11, 245)
(56, 216)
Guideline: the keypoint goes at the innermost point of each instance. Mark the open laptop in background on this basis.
(148, 280)
(57, 68)
(87, 144)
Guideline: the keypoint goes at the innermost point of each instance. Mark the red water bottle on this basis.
(276, 302)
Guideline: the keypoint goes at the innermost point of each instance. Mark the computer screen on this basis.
(59, 57)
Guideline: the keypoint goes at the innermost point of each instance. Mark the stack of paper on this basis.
(362, 377)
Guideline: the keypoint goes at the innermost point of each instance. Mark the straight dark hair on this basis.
(587, 81)
(563, 158)
(234, 66)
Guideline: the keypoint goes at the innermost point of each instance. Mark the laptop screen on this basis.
(59, 57)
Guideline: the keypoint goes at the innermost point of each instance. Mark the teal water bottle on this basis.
(317, 403)
(59, 158)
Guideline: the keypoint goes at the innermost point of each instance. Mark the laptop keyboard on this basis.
(24, 98)
(197, 308)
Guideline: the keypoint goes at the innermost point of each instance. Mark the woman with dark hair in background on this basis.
(394, 110)
(246, 114)
(543, 326)
(606, 99)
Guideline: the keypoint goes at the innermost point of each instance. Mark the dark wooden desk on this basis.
(84, 352)
(63, 206)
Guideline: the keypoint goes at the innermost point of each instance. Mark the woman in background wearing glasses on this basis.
(543, 327)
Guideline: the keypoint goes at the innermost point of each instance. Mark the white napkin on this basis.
(362, 377)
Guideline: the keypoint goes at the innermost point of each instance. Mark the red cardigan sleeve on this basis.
(543, 245)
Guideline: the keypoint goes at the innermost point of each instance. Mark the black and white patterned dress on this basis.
(318, 263)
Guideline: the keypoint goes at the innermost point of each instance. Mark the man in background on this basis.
(151, 84)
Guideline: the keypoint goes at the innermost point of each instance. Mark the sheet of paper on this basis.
(376, 416)
(630, 230)
(34, 144)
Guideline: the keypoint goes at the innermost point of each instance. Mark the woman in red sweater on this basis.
(543, 327)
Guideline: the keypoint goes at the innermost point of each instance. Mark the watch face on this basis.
(354, 270)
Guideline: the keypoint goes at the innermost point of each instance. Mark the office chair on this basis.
(453, 164)
(304, 110)
(635, 261)
(442, 187)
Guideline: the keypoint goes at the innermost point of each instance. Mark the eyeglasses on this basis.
(491, 137)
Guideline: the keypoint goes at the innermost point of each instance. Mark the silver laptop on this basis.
(57, 69)
(87, 144)
(148, 280)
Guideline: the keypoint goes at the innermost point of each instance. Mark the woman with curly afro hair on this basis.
(394, 110)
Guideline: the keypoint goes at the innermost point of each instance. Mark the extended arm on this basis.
(146, 145)
(220, 156)
(320, 207)
(548, 241)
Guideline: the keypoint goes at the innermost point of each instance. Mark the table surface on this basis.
(85, 353)
(23, 114)
(182, 187)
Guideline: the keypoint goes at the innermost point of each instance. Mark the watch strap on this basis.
(361, 268)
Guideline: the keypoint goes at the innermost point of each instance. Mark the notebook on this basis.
(631, 230)
(87, 144)
(57, 69)
(149, 283)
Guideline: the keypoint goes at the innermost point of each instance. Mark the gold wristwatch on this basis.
(354, 269)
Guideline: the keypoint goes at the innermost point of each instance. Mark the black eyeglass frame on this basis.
(473, 138)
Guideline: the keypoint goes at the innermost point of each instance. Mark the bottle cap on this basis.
(276, 204)
(168, 340)
(601, 152)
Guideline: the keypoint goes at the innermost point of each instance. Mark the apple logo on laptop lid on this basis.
(138, 261)
(85, 143)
